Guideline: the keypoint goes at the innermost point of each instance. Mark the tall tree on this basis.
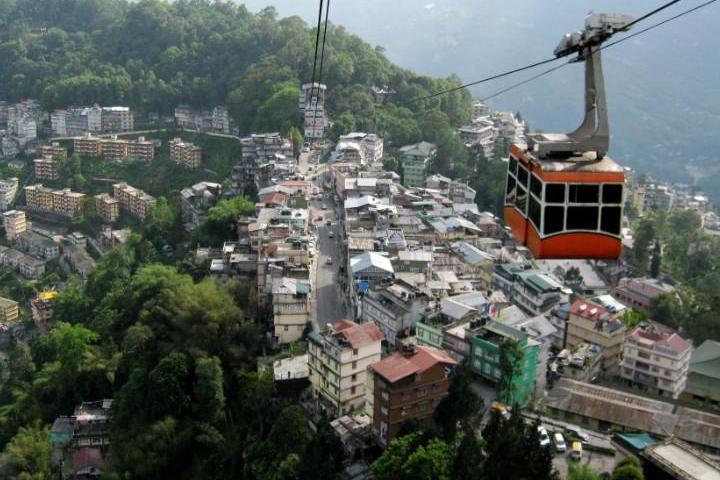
(511, 356)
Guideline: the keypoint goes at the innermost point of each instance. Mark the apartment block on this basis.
(15, 224)
(133, 200)
(9, 312)
(186, 154)
(257, 150)
(338, 360)
(38, 245)
(107, 207)
(117, 119)
(395, 307)
(656, 361)
(67, 202)
(113, 148)
(45, 168)
(87, 146)
(53, 150)
(594, 324)
(141, 149)
(407, 385)
(291, 308)
(640, 292)
(414, 160)
(8, 190)
(197, 200)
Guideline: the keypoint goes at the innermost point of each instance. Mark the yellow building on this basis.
(45, 168)
(591, 323)
(9, 312)
(15, 224)
(133, 200)
(53, 150)
(87, 146)
(186, 154)
(107, 207)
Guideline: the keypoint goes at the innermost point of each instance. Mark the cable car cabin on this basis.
(565, 207)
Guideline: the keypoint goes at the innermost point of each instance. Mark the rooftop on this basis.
(357, 335)
(705, 360)
(401, 365)
(683, 461)
(651, 338)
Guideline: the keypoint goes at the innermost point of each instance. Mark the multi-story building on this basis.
(485, 351)
(594, 324)
(133, 200)
(45, 168)
(53, 150)
(113, 149)
(117, 119)
(220, 119)
(38, 245)
(186, 154)
(9, 312)
(15, 224)
(338, 360)
(406, 385)
(57, 123)
(8, 190)
(39, 197)
(67, 202)
(534, 291)
(107, 207)
(360, 147)
(640, 292)
(395, 307)
(291, 308)
(197, 200)
(312, 106)
(257, 150)
(414, 160)
(87, 146)
(141, 149)
(41, 307)
(31, 267)
(656, 361)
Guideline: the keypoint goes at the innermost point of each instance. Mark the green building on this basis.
(485, 358)
(414, 160)
(429, 334)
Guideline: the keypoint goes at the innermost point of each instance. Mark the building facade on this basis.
(45, 168)
(185, 154)
(133, 200)
(414, 160)
(338, 360)
(291, 308)
(8, 190)
(107, 207)
(9, 312)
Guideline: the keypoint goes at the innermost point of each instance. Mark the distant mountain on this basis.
(662, 85)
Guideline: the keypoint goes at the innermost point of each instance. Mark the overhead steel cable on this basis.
(322, 62)
(317, 41)
(550, 60)
(603, 47)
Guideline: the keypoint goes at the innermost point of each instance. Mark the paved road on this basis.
(329, 304)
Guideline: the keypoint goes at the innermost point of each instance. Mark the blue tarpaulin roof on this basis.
(364, 285)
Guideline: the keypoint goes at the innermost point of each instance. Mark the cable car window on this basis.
(612, 193)
(512, 166)
(536, 186)
(610, 221)
(521, 200)
(554, 220)
(534, 212)
(522, 176)
(510, 192)
(555, 192)
(582, 218)
(584, 193)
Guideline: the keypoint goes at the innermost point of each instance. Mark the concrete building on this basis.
(9, 312)
(184, 153)
(395, 307)
(133, 200)
(414, 160)
(87, 146)
(197, 200)
(41, 307)
(67, 202)
(656, 361)
(291, 308)
(703, 382)
(593, 324)
(359, 147)
(221, 120)
(404, 386)
(45, 168)
(257, 150)
(53, 150)
(113, 148)
(107, 207)
(312, 106)
(15, 224)
(38, 245)
(31, 267)
(339, 359)
(117, 119)
(534, 291)
(8, 190)
(57, 123)
(640, 292)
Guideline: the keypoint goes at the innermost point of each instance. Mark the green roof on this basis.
(636, 440)
(705, 359)
(539, 281)
(505, 330)
(422, 149)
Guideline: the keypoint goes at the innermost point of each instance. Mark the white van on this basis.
(559, 442)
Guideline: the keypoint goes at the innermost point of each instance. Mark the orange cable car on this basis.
(563, 195)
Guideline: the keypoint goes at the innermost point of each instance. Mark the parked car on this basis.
(559, 442)
(544, 437)
(328, 222)
(331, 234)
(576, 451)
(323, 206)
(328, 260)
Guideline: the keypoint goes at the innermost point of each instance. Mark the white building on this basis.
(291, 308)
(656, 361)
(8, 190)
(58, 125)
(15, 224)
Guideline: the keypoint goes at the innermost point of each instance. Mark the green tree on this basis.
(279, 113)
(581, 472)
(405, 458)
(158, 222)
(628, 468)
(644, 237)
(511, 356)
(209, 390)
(27, 455)
(656, 260)
(462, 408)
(221, 222)
(297, 140)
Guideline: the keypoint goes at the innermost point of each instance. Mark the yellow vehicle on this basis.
(576, 451)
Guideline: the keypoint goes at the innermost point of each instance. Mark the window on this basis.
(383, 411)
(536, 186)
(612, 193)
(352, 389)
(286, 328)
(422, 406)
(437, 387)
(404, 411)
(405, 396)
(584, 193)
(354, 377)
(521, 200)
(385, 396)
(582, 218)
(522, 176)
(554, 220)
(512, 166)
(354, 364)
(534, 212)
(421, 392)
(510, 192)
(555, 192)
(611, 219)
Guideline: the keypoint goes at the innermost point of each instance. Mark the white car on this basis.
(559, 442)
(544, 437)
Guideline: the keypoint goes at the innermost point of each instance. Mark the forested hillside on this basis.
(153, 55)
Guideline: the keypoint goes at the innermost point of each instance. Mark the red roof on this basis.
(667, 339)
(87, 457)
(358, 335)
(275, 197)
(588, 310)
(398, 366)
